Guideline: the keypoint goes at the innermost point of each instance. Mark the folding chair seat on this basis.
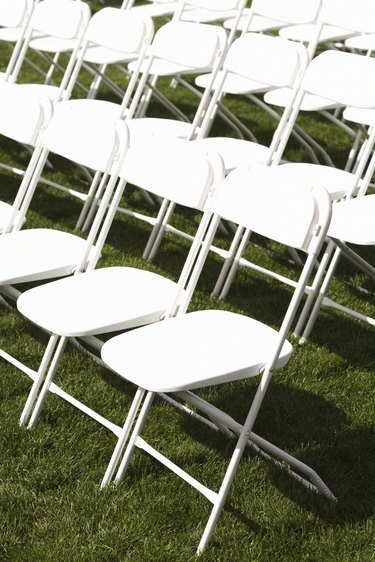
(118, 298)
(209, 347)
(344, 78)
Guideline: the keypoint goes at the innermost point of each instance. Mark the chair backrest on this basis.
(345, 78)
(266, 59)
(120, 30)
(356, 16)
(63, 19)
(288, 11)
(13, 12)
(194, 45)
(217, 5)
(21, 118)
(74, 134)
(176, 170)
(261, 200)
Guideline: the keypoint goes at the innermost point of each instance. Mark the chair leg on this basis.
(39, 378)
(160, 234)
(228, 262)
(123, 437)
(235, 460)
(235, 265)
(314, 289)
(47, 382)
(322, 293)
(136, 432)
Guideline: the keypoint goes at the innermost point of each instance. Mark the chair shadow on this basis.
(314, 431)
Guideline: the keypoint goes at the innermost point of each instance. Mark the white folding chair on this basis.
(211, 347)
(256, 63)
(113, 41)
(346, 79)
(109, 31)
(336, 16)
(39, 254)
(14, 17)
(118, 298)
(177, 47)
(352, 223)
(54, 27)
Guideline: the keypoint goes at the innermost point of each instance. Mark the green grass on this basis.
(320, 408)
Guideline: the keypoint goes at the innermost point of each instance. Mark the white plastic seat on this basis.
(99, 301)
(37, 254)
(233, 359)
(212, 347)
(362, 42)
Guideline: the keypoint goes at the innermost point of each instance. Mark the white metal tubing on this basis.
(228, 261)
(28, 174)
(39, 378)
(322, 293)
(136, 431)
(88, 200)
(47, 382)
(95, 201)
(314, 288)
(123, 437)
(29, 192)
(235, 264)
(204, 490)
(158, 221)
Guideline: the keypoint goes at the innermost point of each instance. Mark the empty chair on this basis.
(344, 78)
(113, 38)
(211, 347)
(253, 63)
(54, 27)
(333, 15)
(14, 17)
(118, 298)
(36, 254)
(110, 31)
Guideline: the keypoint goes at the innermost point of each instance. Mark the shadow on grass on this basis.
(318, 434)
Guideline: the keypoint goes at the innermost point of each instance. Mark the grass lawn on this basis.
(319, 408)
